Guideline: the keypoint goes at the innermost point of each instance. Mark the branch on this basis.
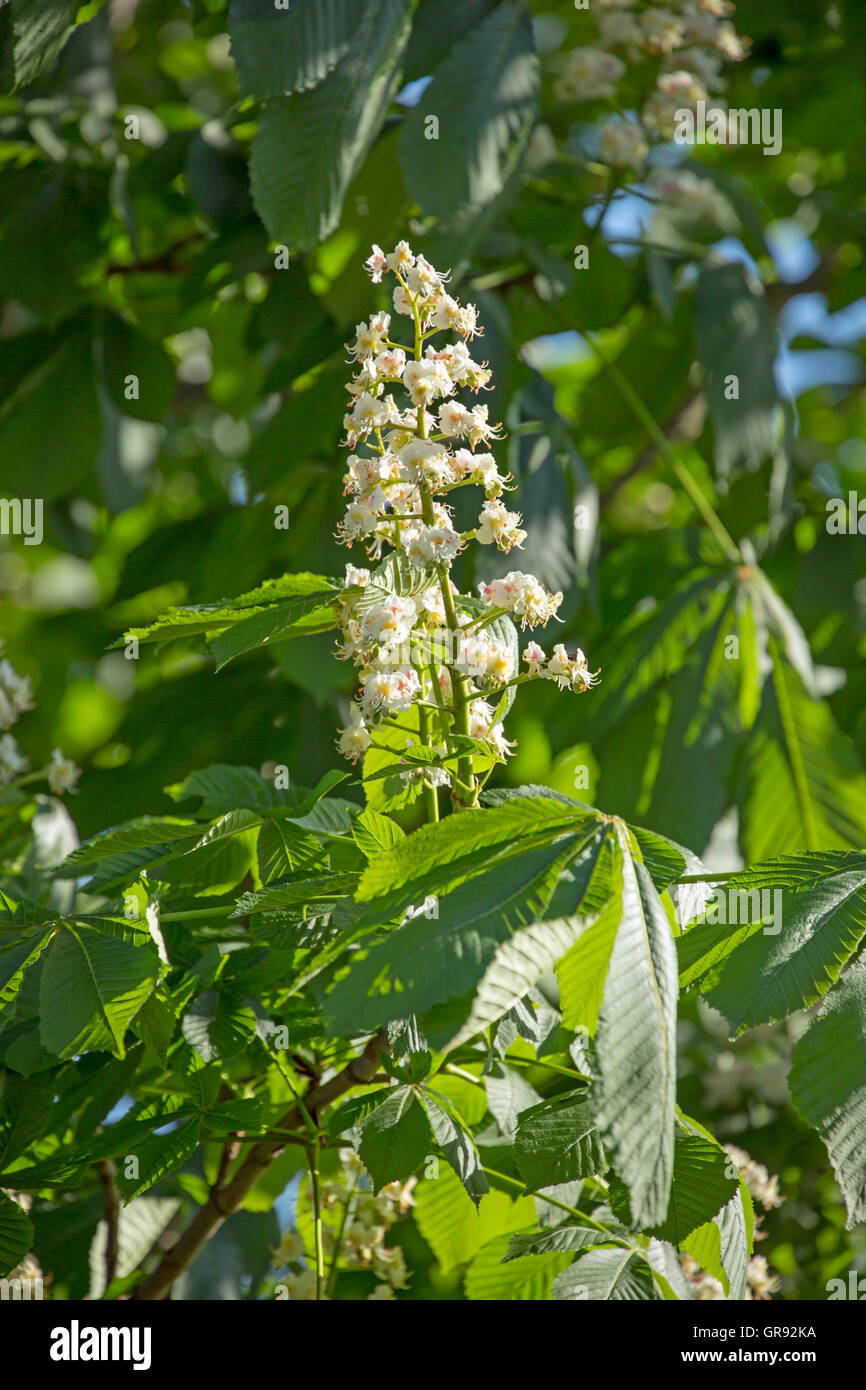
(224, 1200)
(106, 1170)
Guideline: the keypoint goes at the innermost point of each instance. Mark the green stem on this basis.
(431, 799)
(554, 1202)
(317, 1221)
(338, 1241)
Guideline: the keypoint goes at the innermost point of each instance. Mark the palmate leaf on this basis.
(636, 1047)
(219, 1023)
(567, 1237)
(15, 958)
(395, 1137)
(700, 1187)
(455, 1141)
(452, 1226)
(484, 93)
(487, 1279)
(222, 788)
(558, 1141)
(828, 1084)
(722, 1246)
(16, 1234)
(195, 619)
(296, 617)
(790, 965)
(40, 33)
(92, 987)
(156, 1156)
(619, 1274)
(803, 785)
(145, 833)
(426, 962)
(288, 50)
(310, 146)
(283, 848)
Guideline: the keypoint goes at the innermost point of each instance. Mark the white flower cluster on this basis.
(690, 40)
(762, 1186)
(362, 1235)
(569, 672)
(429, 647)
(16, 697)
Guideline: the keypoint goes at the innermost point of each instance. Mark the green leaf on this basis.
(455, 1141)
(722, 1246)
(40, 33)
(219, 1024)
(487, 1280)
(284, 849)
(735, 337)
(484, 94)
(451, 1225)
(223, 788)
(700, 1187)
(803, 785)
(828, 1084)
(16, 1234)
(147, 832)
(636, 1043)
(311, 145)
(425, 962)
(154, 1024)
(288, 50)
(606, 1274)
(15, 959)
(155, 1157)
(445, 854)
(567, 1237)
(557, 1142)
(295, 617)
(395, 1138)
(277, 896)
(792, 964)
(375, 834)
(194, 619)
(92, 988)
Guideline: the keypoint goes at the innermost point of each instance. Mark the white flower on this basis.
(569, 672)
(664, 31)
(62, 773)
(376, 264)
(623, 145)
(12, 760)
(16, 694)
(590, 74)
(391, 621)
(434, 545)
(290, 1249)
(500, 527)
(534, 656)
(401, 258)
(356, 577)
(390, 691)
(427, 381)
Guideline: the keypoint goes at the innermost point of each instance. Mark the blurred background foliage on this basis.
(149, 183)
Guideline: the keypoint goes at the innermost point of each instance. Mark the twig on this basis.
(107, 1172)
(222, 1204)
